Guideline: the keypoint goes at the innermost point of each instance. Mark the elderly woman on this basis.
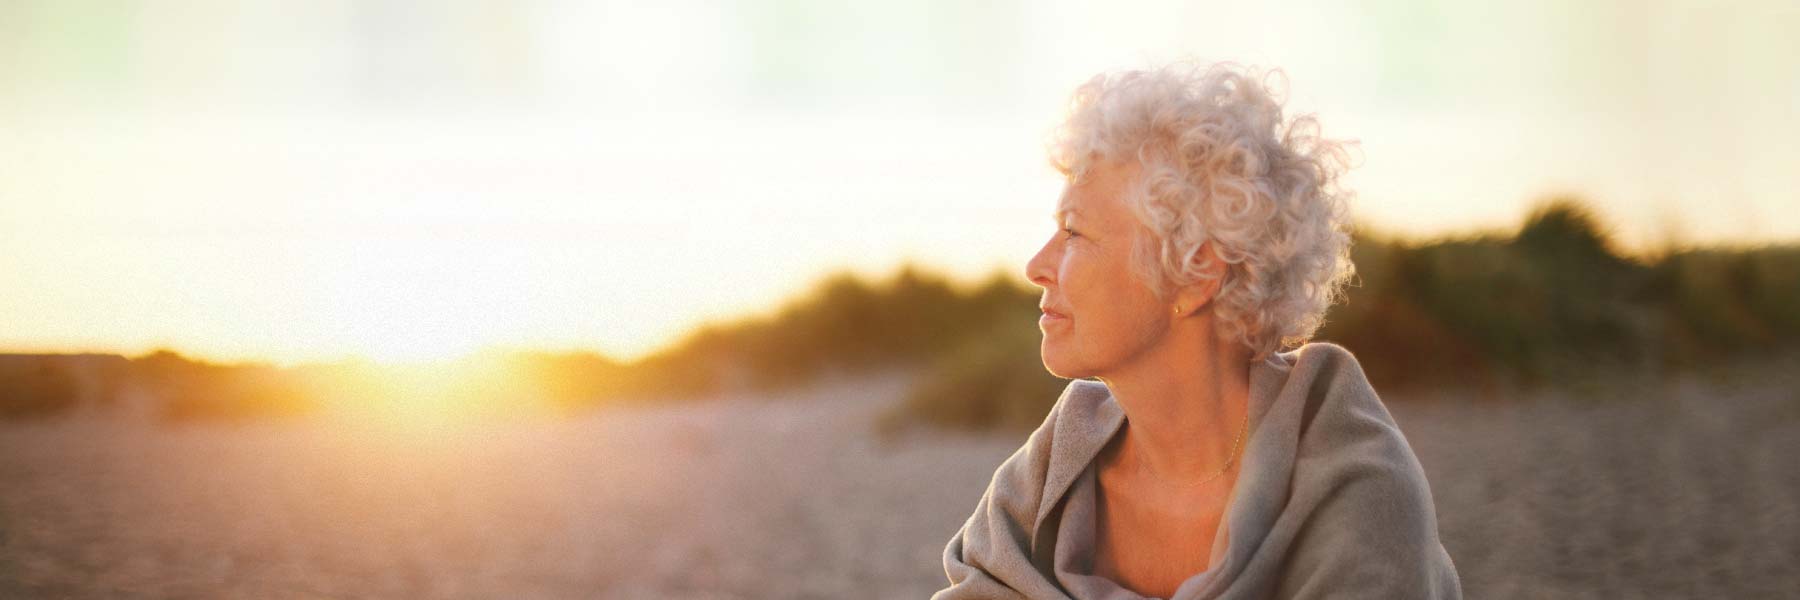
(1198, 235)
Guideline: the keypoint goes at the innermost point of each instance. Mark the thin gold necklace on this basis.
(1235, 446)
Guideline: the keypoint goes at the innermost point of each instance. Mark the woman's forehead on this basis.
(1066, 205)
(1096, 195)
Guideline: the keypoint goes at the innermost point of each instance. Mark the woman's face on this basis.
(1098, 313)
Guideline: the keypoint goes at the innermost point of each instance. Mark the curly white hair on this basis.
(1219, 164)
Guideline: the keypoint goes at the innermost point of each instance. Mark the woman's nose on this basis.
(1039, 270)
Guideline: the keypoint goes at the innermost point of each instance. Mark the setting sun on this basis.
(588, 184)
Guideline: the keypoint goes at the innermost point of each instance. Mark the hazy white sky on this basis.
(410, 179)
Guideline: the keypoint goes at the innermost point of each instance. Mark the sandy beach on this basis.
(1665, 489)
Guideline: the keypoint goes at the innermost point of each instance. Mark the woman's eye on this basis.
(1070, 231)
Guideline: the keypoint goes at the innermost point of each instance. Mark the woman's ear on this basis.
(1197, 295)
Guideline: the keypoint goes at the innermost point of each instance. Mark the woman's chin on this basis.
(1058, 364)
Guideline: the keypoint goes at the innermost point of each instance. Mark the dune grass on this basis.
(1547, 302)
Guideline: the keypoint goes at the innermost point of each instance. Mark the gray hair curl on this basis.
(1220, 164)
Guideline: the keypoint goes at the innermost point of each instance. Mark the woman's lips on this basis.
(1051, 317)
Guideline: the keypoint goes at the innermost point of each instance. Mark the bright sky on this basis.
(296, 181)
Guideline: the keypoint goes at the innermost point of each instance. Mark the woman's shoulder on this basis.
(1330, 388)
(1355, 469)
(1348, 439)
(1325, 358)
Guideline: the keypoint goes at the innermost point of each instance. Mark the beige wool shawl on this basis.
(1330, 500)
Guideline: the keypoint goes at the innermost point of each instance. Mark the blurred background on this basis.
(392, 298)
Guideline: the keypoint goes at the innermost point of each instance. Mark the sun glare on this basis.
(427, 396)
(419, 351)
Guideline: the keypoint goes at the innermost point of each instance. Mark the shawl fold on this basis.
(1330, 500)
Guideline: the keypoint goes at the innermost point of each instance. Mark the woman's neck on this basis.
(1185, 403)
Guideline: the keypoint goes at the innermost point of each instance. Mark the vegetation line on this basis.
(1551, 301)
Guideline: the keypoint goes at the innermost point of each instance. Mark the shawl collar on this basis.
(1090, 417)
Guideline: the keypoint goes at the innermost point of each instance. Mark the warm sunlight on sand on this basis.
(436, 396)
